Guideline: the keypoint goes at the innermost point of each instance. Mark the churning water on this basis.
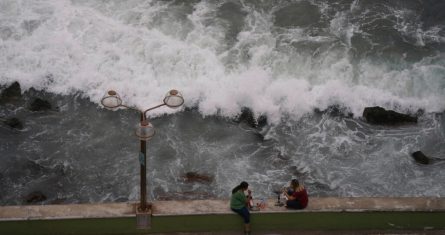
(281, 59)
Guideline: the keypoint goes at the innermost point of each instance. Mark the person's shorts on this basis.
(294, 204)
(244, 212)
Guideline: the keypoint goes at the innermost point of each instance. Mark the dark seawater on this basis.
(284, 60)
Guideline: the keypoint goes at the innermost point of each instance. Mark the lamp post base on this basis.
(143, 217)
(147, 208)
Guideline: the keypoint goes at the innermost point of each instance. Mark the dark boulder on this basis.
(378, 115)
(11, 93)
(40, 105)
(14, 123)
(35, 197)
(421, 158)
(191, 109)
(248, 117)
(192, 176)
(261, 121)
(336, 111)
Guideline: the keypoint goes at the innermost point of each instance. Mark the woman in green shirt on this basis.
(238, 204)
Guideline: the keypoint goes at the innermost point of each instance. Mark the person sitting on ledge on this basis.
(238, 204)
(296, 195)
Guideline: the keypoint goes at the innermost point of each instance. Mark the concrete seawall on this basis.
(333, 214)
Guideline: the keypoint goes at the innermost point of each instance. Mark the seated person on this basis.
(239, 204)
(296, 195)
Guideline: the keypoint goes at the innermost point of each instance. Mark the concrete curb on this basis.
(324, 213)
(218, 207)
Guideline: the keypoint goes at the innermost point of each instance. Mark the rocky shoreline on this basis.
(20, 107)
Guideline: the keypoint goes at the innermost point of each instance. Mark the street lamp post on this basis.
(144, 131)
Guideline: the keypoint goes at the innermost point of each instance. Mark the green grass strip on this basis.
(229, 222)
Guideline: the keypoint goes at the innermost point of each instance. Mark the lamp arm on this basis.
(155, 107)
(129, 107)
(144, 113)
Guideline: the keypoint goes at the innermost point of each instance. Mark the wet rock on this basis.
(378, 115)
(339, 111)
(336, 111)
(261, 121)
(421, 158)
(191, 109)
(248, 117)
(34, 197)
(13, 123)
(13, 92)
(40, 105)
(192, 176)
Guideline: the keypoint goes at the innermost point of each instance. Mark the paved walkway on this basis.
(342, 232)
(386, 214)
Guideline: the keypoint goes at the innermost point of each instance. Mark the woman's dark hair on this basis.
(295, 183)
(243, 185)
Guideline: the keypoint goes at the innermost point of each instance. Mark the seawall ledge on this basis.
(219, 207)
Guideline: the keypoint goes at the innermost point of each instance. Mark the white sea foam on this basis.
(67, 47)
